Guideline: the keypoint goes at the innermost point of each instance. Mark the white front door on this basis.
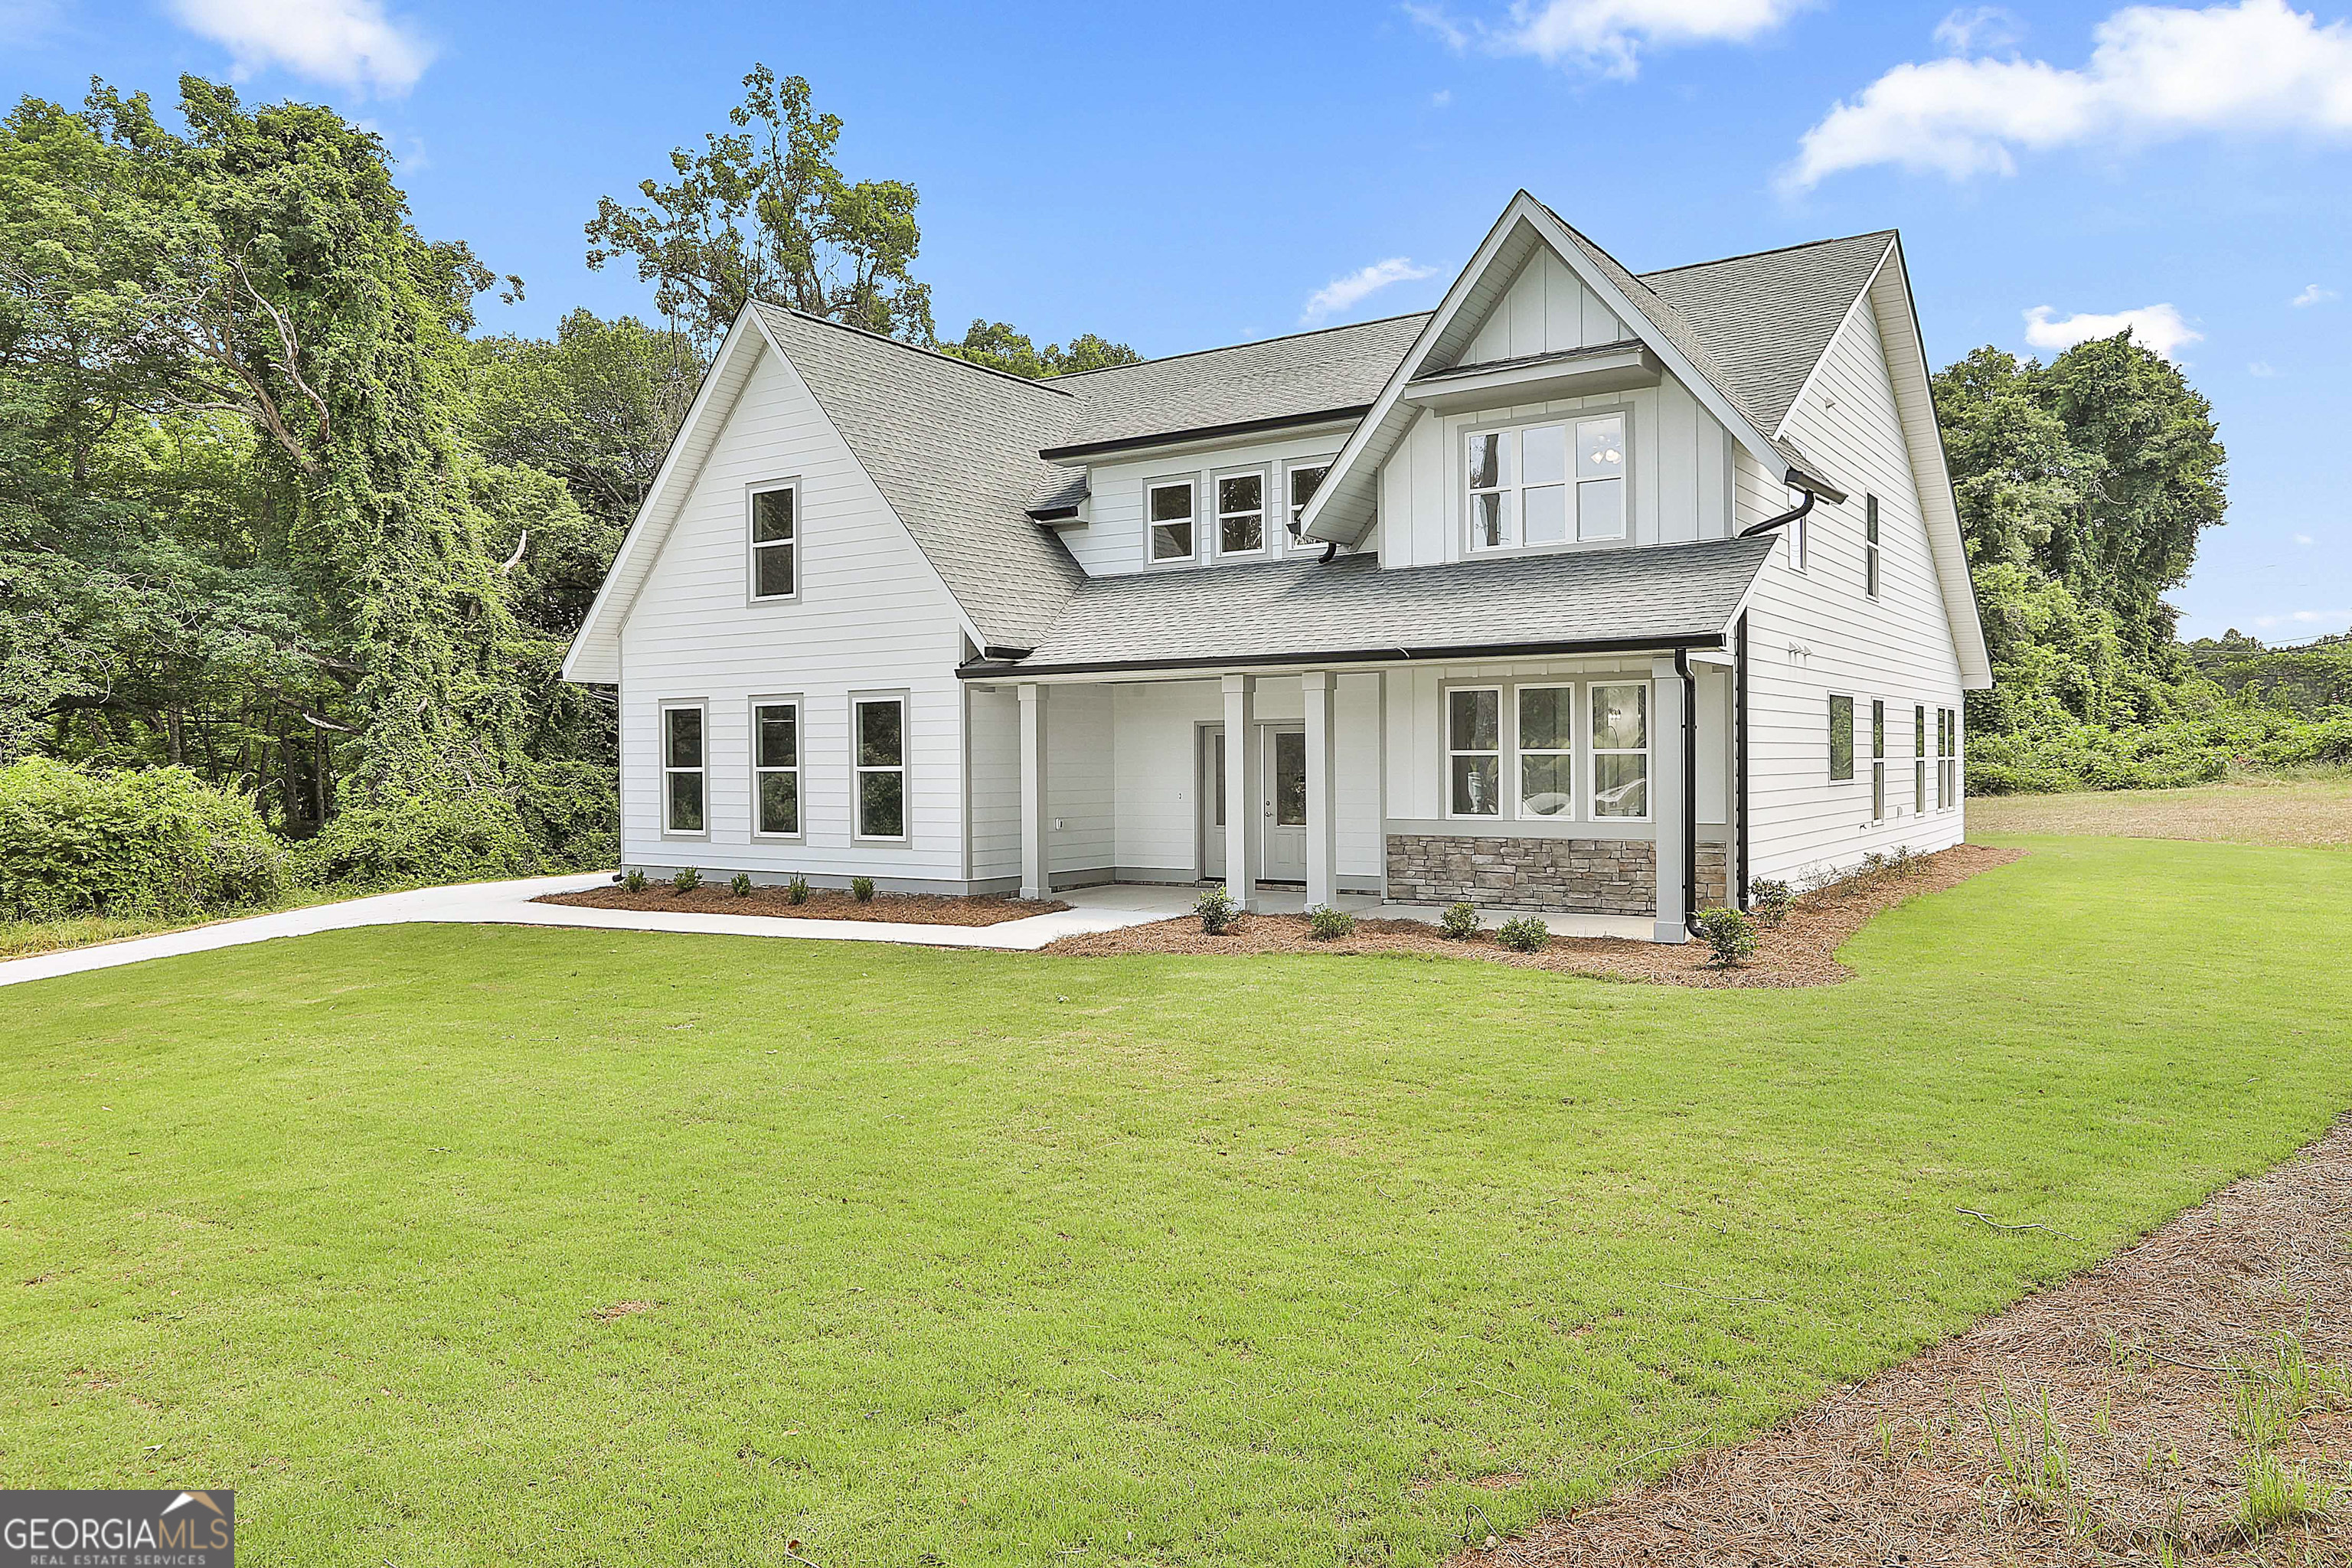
(1283, 849)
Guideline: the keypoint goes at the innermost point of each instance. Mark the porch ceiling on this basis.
(1349, 610)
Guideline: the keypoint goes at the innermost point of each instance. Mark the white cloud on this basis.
(2312, 294)
(2304, 539)
(1607, 35)
(2156, 72)
(1341, 292)
(2304, 618)
(2262, 369)
(2158, 328)
(1980, 27)
(1441, 98)
(350, 42)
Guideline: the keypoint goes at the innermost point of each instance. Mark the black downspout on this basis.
(1792, 515)
(1690, 788)
(1739, 761)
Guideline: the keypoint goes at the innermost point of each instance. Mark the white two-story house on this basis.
(1583, 592)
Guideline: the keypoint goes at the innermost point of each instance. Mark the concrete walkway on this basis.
(510, 903)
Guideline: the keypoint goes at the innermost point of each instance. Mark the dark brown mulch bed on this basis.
(2140, 1361)
(716, 899)
(1801, 952)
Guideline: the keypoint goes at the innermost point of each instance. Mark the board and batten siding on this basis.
(1816, 633)
(871, 616)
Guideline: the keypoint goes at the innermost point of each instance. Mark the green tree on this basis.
(998, 346)
(762, 212)
(595, 407)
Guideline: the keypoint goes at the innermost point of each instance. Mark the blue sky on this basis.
(1177, 177)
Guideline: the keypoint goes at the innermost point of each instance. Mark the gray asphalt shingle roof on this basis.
(1308, 609)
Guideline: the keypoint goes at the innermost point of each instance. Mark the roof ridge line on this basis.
(1245, 343)
(1770, 250)
(912, 348)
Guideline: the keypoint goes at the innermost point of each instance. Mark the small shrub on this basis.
(1728, 934)
(1872, 869)
(1770, 900)
(139, 841)
(1905, 863)
(739, 884)
(688, 878)
(796, 890)
(1217, 910)
(1460, 921)
(1328, 924)
(634, 881)
(862, 888)
(1524, 934)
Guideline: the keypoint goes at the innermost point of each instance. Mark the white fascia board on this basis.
(595, 656)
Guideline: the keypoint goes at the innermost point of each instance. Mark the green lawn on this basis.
(1017, 1259)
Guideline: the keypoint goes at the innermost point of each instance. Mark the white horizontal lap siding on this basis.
(992, 718)
(1114, 539)
(1158, 726)
(1815, 634)
(1681, 473)
(1080, 763)
(871, 616)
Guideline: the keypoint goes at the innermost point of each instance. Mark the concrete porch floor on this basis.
(1162, 902)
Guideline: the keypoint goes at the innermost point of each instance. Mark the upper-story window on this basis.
(1168, 504)
(1870, 546)
(775, 533)
(1535, 485)
(1241, 512)
(1300, 479)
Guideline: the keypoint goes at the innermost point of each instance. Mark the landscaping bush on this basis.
(1728, 934)
(796, 890)
(739, 884)
(634, 881)
(688, 880)
(140, 841)
(1524, 934)
(1460, 921)
(1328, 924)
(572, 811)
(1771, 899)
(862, 888)
(418, 838)
(1217, 910)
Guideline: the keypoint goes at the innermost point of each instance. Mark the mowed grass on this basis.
(978, 1258)
(2312, 807)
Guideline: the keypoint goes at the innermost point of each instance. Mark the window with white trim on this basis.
(1620, 749)
(1877, 760)
(1535, 485)
(1546, 735)
(684, 782)
(1919, 761)
(1870, 545)
(1841, 739)
(1168, 508)
(1473, 751)
(775, 536)
(1241, 512)
(1947, 758)
(878, 742)
(1300, 480)
(776, 769)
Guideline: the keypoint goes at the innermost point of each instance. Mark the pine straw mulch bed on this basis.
(2107, 1420)
(718, 899)
(1801, 952)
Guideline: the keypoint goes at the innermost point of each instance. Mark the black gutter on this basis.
(999, 651)
(1739, 760)
(1206, 432)
(1211, 664)
(1690, 788)
(1052, 513)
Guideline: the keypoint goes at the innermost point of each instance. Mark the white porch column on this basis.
(1321, 690)
(1666, 797)
(1243, 807)
(1035, 881)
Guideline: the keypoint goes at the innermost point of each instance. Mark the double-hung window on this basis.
(1299, 481)
(1841, 739)
(684, 802)
(1877, 760)
(1473, 751)
(879, 739)
(1620, 749)
(1240, 513)
(776, 769)
(1547, 484)
(1547, 742)
(775, 536)
(1919, 761)
(1168, 506)
(1870, 545)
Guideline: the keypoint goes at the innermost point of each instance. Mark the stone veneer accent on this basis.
(1567, 876)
